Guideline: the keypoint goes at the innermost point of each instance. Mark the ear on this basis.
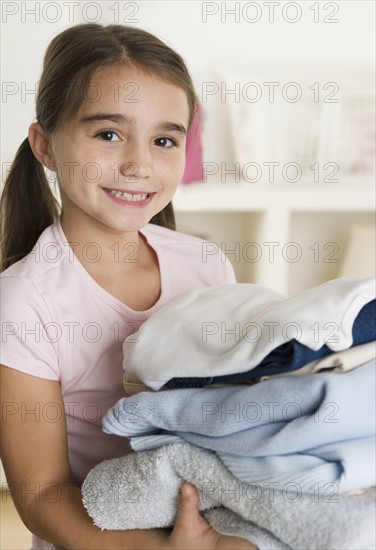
(40, 145)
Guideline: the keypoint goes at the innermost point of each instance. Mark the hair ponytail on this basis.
(27, 206)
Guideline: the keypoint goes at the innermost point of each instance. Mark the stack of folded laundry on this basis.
(265, 403)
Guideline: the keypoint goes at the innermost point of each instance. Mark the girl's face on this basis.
(121, 158)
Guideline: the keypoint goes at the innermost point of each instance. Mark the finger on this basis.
(188, 517)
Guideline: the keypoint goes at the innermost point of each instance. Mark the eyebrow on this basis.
(105, 116)
(173, 127)
(121, 119)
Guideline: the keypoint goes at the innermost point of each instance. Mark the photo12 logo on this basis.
(270, 12)
(271, 91)
(270, 172)
(290, 252)
(71, 12)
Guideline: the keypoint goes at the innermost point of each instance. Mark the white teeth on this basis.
(127, 196)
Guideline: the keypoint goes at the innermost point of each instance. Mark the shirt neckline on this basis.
(97, 288)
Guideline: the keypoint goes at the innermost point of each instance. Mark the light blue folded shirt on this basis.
(312, 428)
(278, 416)
(330, 469)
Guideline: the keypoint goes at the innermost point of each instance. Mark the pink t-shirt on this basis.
(59, 324)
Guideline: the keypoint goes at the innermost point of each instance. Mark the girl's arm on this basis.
(35, 457)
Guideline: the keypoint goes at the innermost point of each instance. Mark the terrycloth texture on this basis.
(227, 522)
(190, 333)
(281, 416)
(288, 357)
(342, 465)
(117, 493)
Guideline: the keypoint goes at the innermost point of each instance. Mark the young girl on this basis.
(113, 110)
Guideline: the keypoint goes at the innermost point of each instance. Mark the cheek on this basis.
(176, 174)
(178, 163)
(67, 165)
(75, 177)
(77, 168)
(170, 166)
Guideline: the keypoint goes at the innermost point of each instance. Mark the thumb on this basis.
(188, 518)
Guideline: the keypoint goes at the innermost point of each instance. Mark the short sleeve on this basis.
(29, 337)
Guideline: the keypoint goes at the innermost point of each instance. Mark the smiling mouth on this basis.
(134, 197)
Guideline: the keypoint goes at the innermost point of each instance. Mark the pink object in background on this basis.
(193, 149)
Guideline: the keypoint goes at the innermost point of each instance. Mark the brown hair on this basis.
(27, 204)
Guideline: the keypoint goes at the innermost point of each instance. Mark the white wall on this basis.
(208, 47)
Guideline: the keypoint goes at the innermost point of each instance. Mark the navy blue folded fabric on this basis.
(288, 357)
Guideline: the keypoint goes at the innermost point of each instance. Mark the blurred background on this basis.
(282, 165)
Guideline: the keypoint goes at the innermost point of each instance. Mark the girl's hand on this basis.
(191, 531)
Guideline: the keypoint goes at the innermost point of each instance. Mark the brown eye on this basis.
(108, 135)
(165, 142)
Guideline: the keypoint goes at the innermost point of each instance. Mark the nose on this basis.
(137, 162)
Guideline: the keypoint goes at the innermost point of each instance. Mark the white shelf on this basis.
(328, 134)
(248, 197)
(273, 211)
